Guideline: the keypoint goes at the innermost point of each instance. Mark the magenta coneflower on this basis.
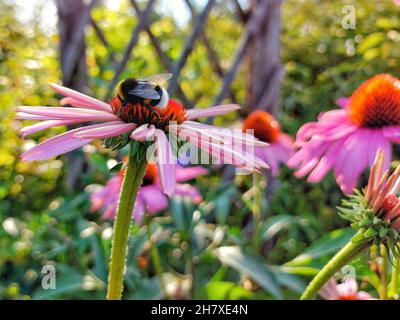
(118, 120)
(347, 290)
(150, 198)
(346, 140)
(267, 129)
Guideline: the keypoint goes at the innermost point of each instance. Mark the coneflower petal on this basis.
(57, 145)
(58, 113)
(166, 163)
(110, 129)
(45, 125)
(86, 100)
(212, 111)
(143, 132)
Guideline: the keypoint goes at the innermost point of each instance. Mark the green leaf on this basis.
(288, 280)
(223, 290)
(250, 265)
(328, 244)
(275, 224)
(371, 41)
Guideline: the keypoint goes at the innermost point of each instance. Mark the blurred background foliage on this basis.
(205, 249)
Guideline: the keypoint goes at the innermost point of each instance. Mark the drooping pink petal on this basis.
(57, 145)
(352, 160)
(143, 133)
(139, 209)
(110, 129)
(223, 133)
(326, 163)
(59, 113)
(86, 100)
(154, 200)
(329, 292)
(166, 163)
(185, 174)
(76, 103)
(348, 288)
(25, 131)
(224, 153)
(187, 190)
(212, 111)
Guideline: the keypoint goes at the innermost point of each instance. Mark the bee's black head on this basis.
(127, 85)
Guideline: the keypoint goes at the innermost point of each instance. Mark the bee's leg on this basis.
(152, 111)
(123, 104)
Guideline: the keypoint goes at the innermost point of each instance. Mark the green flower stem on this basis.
(257, 200)
(395, 275)
(155, 255)
(383, 271)
(350, 251)
(133, 178)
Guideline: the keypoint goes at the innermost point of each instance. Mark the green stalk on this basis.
(395, 275)
(383, 268)
(350, 251)
(133, 178)
(257, 200)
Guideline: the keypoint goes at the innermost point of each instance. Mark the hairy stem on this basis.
(350, 251)
(133, 178)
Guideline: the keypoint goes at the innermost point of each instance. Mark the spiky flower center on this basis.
(390, 202)
(140, 114)
(376, 103)
(265, 127)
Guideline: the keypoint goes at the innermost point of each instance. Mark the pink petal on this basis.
(44, 125)
(352, 160)
(348, 287)
(154, 200)
(224, 153)
(28, 116)
(238, 135)
(329, 291)
(59, 113)
(212, 111)
(185, 174)
(139, 209)
(86, 100)
(343, 102)
(110, 129)
(186, 190)
(166, 162)
(143, 133)
(57, 145)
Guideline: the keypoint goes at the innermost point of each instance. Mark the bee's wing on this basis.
(158, 78)
(145, 91)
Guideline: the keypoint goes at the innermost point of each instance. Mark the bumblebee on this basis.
(145, 91)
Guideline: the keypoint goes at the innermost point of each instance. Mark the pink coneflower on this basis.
(150, 198)
(347, 290)
(346, 140)
(267, 129)
(140, 124)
